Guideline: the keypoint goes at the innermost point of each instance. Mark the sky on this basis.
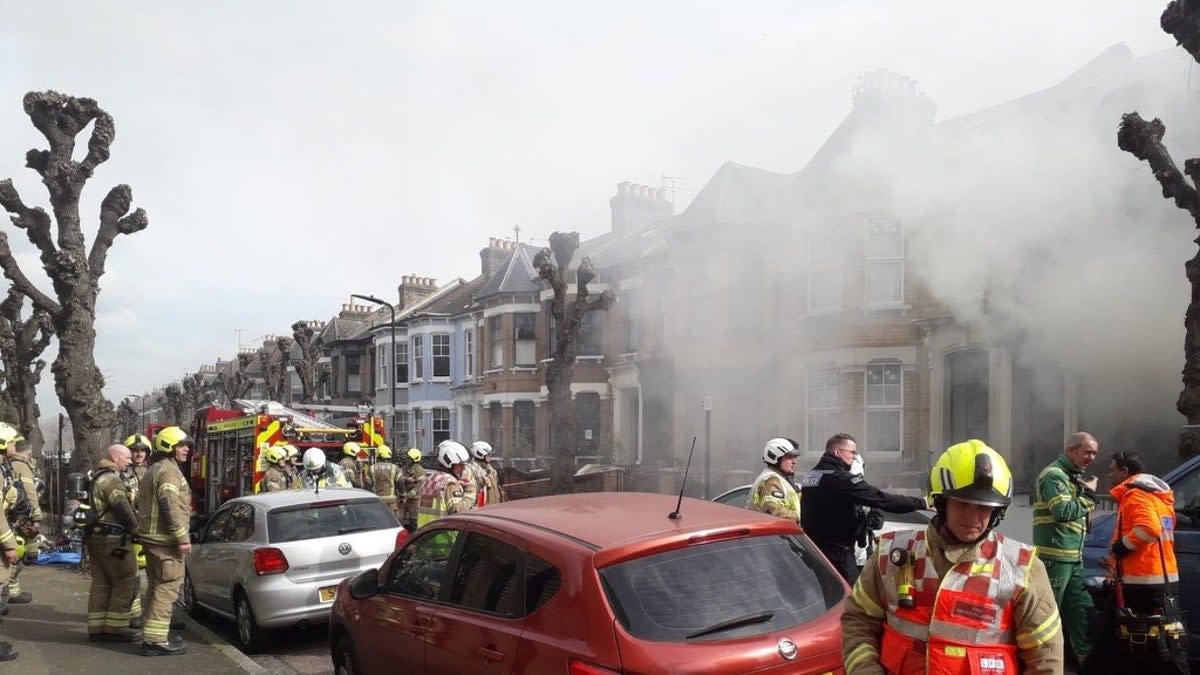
(291, 154)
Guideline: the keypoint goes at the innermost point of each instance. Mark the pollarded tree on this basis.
(275, 359)
(553, 265)
(22, 341)
(234, 383)
(128, 420)
(1143, 140)
(73, 267)
(307, 368)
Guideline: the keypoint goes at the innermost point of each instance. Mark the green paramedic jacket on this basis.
(1060, 512)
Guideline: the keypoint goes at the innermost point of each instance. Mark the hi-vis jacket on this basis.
(773, 494)
(164, 504)
(332, 476)
(1146, 519)
(442, 495)
(1060, 512)
(984, 609)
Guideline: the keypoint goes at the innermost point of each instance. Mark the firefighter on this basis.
(8, 537)
(449, 491)
(163, 511)
(385, 476)
(773, 491)
(956, 597)
(414, 477)
(320, 474)
(28, 520)
(294, 468)
(486, 477)
(139, 449)
(109, 540)
(349, 463)
(276, 478)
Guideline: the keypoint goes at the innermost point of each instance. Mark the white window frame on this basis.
(824, 397)
(876, 401)
(418, 359)
(496, 341)
(402, 360)
(528, 344)
(439, 416)
(469, 352)
(381, 359)
(400, 419)
(433, 352)
(880, 259)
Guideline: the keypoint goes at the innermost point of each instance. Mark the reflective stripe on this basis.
(866, 602)
(861, 654)
(1149, 579)
(1059, 553)
(1047, 630)
(912, 629)
(961, 633)
(1073, 525)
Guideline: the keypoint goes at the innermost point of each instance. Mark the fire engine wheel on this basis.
(251, 637)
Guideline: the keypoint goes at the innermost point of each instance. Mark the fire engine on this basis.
(227, 460)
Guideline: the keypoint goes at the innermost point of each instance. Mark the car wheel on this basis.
(343, 656)
(251, 637)
(187, 597)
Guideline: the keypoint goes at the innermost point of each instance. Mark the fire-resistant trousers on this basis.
(164, 576)
(114, 582)
(1066, 578)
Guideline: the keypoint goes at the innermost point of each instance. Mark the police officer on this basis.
(487, 479)
(414, 478)
(956, 597)
(829, 497)
(275, 478)
(448, 491)
(385, 476)
(109, 541)
(320, 474)
(349, 463)
(773, 492)
(164, 508)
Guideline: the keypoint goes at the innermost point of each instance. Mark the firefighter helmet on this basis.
(314, 459)
(9, 437)
(275, 454)
(778, 448)
(383, 452)
(450, 453)
(414, 454)
(972, 472)
(137, 442)
(481, 449)
(168, 438)
(351, 449)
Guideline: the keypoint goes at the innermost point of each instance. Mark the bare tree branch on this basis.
(114, 221)
(1143, 140)
(1181, 20)
(12, 271)
(35, 221)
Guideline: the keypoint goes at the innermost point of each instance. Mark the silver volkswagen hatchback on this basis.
(275, 560)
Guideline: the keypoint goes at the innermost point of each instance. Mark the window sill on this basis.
(493, 371)
(524, 369)
(441, 379)
(593, 358)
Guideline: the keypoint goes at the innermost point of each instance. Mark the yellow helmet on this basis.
(292, 451)
(351, 448)
(383, 452)
(9, 437)
(972, 472)
(414, 454)
(169, 437)
(137, 442)
(275, 454)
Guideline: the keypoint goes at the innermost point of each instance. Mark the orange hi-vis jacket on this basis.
(1146, 518)
(962, 623)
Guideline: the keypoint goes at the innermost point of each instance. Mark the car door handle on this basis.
(491, 654)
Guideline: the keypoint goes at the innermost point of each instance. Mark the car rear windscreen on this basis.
(328, 519)
(722, 590)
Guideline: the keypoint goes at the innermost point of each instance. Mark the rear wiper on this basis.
(746, 620)
(358, 528)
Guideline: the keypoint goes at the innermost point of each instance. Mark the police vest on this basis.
(791, 498)
(432, 504)
(960, 624)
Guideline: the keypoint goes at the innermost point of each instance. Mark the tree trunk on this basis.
(78, 381)
(562, 424)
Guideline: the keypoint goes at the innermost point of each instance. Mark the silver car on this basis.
(275, 560)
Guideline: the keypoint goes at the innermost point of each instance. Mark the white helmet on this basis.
(450, 453)
(778, 448)
(481, 449)
(314, 459)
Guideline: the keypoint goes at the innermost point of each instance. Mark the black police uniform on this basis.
(828, 497)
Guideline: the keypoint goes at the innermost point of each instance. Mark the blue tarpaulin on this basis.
(59, 558)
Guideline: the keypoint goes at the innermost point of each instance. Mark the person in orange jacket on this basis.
(1142, 555)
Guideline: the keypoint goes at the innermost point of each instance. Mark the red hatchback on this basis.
(595, 583)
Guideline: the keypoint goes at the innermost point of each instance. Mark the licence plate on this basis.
(327, 593)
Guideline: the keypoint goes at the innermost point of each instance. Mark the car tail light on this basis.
(718, 536)
(269, 561)
(577, 667)
(401, 537)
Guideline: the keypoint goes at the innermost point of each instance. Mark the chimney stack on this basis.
(636, 207)
(413, 289)
(497, 253)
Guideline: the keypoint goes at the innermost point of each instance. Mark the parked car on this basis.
(1185, 482)
(274, 560)
(595, 583)
(892, 521)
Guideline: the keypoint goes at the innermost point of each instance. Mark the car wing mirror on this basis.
(365, 585)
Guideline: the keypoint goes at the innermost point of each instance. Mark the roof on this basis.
(609, 520)
(517, 275)
(456, 300)
(285, 498)
(342, 328)
(737, 194)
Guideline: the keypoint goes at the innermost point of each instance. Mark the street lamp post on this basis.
(142, 417)
(391, 361)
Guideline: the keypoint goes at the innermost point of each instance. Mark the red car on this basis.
(595, 583)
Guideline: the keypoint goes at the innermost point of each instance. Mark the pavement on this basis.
(51, 636)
